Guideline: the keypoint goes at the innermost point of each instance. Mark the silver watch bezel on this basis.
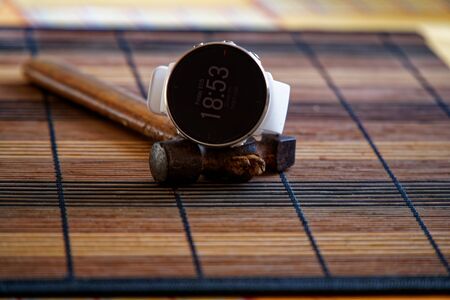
(266, 106)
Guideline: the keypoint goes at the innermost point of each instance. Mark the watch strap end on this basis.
(155, 93)
(278, 106)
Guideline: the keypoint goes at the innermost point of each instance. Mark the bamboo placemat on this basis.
(365, 208)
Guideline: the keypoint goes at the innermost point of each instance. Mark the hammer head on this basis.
(278, 151)
(175, 161)
(182, 161)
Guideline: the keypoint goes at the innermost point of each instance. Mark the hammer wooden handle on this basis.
(105, 99)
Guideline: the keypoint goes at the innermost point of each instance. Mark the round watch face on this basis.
(217, 94)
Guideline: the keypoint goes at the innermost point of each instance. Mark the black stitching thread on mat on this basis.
(208, 36)
(403, 57)
(59, 185)
(127, 51)
(187, 229)
(305, 224)
(304, 47)
(34, 50)
(298, 209)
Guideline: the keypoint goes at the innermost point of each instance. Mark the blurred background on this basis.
(236, 14)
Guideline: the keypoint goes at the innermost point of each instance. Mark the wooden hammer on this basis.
(172, 159)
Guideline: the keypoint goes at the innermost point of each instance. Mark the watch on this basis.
(218, 95)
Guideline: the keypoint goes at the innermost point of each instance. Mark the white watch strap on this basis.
(278, 106)
(155, 99)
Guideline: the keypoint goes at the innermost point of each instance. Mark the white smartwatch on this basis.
(218, 95)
